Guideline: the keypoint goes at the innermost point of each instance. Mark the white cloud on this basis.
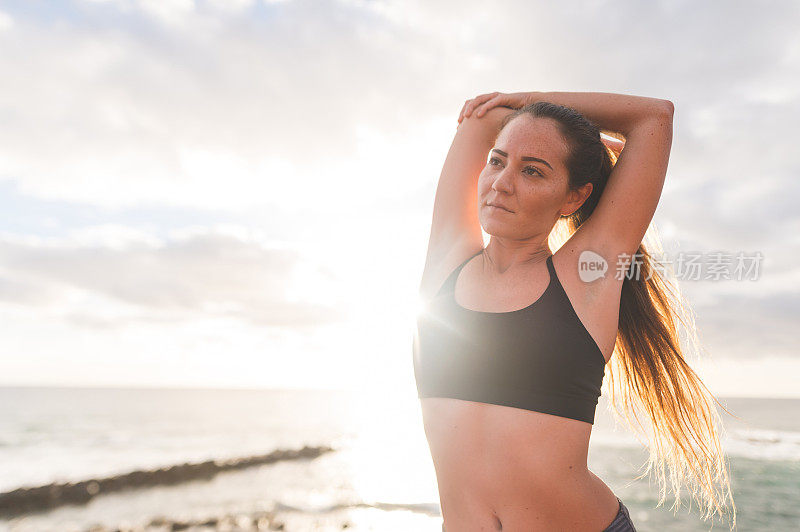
(113, 276)
(329, 121)
(6, 22)
(168, 11)
(225, 117)
(230, 6)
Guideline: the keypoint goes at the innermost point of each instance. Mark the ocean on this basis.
(378, 475)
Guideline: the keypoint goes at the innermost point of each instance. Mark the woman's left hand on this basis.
(480, 104)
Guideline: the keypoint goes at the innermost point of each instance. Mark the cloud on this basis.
(326, 124)
(168, 11)
(744, 326)
(167, 101)
(112, 276)
(222, 111)
(6, 22)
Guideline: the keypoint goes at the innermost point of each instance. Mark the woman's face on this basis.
(525, 174)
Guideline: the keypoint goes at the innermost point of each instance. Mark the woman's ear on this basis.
(576, 197)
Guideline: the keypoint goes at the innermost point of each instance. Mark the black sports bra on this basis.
(537, 358)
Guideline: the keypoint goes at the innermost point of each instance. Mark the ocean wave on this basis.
(338, 517)
(431, 509)
(755, 444)
(764, 444)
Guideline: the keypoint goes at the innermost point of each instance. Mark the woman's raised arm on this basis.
(607, 110)
(623, 214)
(455, 228)
(629, 200)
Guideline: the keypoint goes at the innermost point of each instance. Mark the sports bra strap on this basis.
(550, 267)
(450, 282)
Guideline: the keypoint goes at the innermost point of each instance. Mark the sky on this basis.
(239, 193)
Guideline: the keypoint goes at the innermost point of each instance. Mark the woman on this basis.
(512, 346)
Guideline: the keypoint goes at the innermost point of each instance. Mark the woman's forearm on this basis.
(615, 112)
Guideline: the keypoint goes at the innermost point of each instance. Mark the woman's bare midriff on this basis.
(516, 470)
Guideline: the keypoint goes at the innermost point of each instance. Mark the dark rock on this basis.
(27, 500)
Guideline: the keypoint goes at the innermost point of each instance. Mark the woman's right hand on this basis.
(480, 104)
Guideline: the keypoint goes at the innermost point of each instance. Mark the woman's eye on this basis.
(534, 169)
(494, 161)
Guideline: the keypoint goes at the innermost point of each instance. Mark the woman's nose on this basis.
(502, 182)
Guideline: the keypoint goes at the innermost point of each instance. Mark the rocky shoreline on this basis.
(231, 522)
(26, 500)
(258, 521)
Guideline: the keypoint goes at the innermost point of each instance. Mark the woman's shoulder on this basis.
(588, 263)
(442, 262)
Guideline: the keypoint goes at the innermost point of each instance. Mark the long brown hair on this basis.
(649, 371)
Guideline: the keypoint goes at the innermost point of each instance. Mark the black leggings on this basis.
(621, 523)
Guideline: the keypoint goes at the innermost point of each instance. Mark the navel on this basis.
(498, 525)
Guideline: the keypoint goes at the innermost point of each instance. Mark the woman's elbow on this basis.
(669, 108)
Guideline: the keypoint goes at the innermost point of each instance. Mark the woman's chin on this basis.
(497, 228)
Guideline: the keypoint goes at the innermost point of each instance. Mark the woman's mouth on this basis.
(498, 207)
